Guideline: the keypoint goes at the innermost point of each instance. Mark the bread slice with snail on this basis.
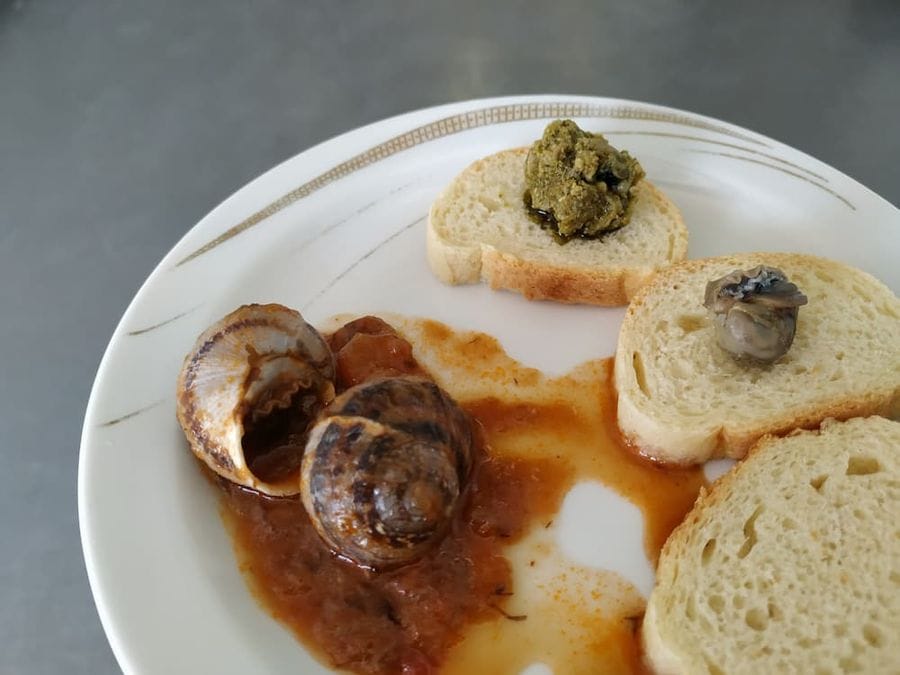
(764, 355)
(571, 221)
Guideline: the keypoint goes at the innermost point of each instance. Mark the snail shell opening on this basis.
(247, 392)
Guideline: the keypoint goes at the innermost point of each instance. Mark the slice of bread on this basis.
(790, 563)
(479, 229)
(684, 400)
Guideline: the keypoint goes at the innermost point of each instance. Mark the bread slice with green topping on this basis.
(790, 563)
(682, 399)
(479, 230)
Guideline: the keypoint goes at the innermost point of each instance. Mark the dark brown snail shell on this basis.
(384, 468)
(755, 313)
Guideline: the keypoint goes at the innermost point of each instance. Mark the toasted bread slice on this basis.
(479, 229)
(790, 563)
(684, 400)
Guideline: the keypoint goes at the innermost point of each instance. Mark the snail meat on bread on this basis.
(755, 313)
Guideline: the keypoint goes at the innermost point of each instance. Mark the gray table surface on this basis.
(122, 123)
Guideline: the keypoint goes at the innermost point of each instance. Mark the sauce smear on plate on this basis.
(495, 595)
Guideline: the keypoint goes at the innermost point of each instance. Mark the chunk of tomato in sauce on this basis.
(369, 348)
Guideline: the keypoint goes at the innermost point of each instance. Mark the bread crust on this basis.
(538, 281)
(657, 656)
(608, 285)
(680, 448)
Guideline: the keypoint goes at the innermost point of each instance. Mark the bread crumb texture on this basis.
(791, 563)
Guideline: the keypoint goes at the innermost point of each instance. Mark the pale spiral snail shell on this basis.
(243, 371)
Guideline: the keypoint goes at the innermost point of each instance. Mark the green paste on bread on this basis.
(578, 185)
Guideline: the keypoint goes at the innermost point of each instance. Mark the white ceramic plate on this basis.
(341, 228)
